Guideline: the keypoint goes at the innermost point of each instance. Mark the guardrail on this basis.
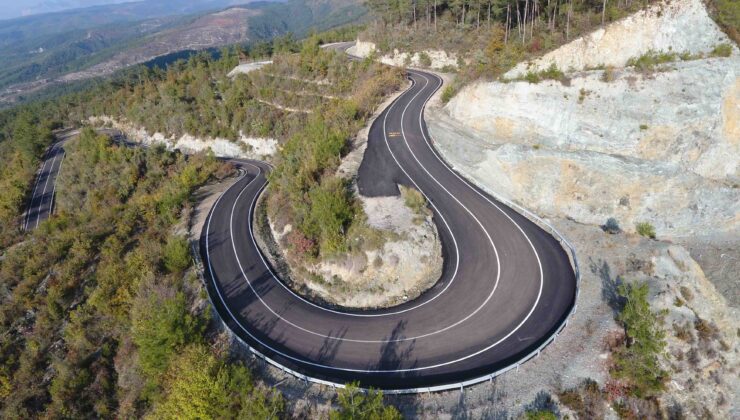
(543, 224)
(446, 387)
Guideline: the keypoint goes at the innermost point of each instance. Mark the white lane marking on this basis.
(33, 194)
(360, 315)
(54, 190)
(312, 363)
(312, 304)
(490, 240)
(46, 184)
(299, 360)
(539, 263)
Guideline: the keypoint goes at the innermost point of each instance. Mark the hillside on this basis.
(93, 42)
(102, 310)
(628, 131)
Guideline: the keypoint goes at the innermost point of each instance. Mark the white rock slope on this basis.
(439, 59)
(678, 25)
(660, 147)
(242, 147)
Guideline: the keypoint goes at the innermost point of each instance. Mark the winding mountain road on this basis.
(42, 197)
(506, 287)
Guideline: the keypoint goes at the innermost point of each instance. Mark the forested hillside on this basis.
(101, 311)
(39, 52)
(96, 302)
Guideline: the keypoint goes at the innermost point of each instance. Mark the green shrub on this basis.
(161, 326)
(552, 73)
(646, 229)
(416, 201)
(176, 256)
(727, 14)
(532, 77)
(330, 214)
(643, 127)
(354, 404)
(424, 59)
(200, 386)
(649, 61)
(636, 361)
(448, 93)
(540, 415)
(722, 50)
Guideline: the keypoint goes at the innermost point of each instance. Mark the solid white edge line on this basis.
(36, 184)
(46, 184)
(306, 362)
(443, 387)
(251, 211)
(54, 190)
(539, 262)
(361, 315)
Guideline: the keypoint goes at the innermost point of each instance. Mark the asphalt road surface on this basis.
(506, 286)
(42, 197)
(41, 204)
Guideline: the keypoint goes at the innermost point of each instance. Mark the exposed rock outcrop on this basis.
(242, 147)
(661, 147)
(658, 146)
(438, 60)
(678, 25)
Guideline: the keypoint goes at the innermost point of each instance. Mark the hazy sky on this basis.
(15, 8)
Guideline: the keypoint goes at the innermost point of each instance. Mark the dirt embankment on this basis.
(402, 259)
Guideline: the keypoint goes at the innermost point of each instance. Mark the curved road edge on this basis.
(228, 320)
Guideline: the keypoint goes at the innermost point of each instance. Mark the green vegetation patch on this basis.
(636, 360)
(415, 200)
(645, 229)
(356, 404)
(304, 190)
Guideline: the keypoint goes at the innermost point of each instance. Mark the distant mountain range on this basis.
(53, 48)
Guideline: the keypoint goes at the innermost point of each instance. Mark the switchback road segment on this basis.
(507, 284)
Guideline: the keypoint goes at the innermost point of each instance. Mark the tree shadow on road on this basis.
(394, 353)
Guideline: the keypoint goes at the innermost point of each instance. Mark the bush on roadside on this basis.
(424, 59)
(176, 254)
(356, 404)
(448, 93)
(414, 200)
(646, 229)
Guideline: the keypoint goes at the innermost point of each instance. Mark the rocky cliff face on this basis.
(678, 25)
(438, 59)
(661, 147)
(242, 147)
